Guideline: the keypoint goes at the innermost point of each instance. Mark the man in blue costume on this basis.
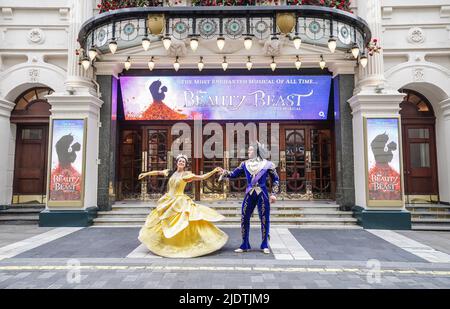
(256, 170)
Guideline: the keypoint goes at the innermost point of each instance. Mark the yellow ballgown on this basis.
(180, 228)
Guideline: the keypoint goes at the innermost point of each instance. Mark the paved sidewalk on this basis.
(301, 258)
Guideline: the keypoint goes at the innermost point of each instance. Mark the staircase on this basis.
(287, 213)
(430, 217)
(21, 214)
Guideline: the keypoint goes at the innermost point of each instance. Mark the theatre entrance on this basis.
(305, 159)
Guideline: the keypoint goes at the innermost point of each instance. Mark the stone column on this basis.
(345, 186)
(6, 177)
(77, 78)
(81, 100)
(444, 164)
(373, 97)
(107, 150)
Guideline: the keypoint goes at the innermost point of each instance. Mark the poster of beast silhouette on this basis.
(67, 161)
(384, 177)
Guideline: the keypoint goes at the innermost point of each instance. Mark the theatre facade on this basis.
(347, 113)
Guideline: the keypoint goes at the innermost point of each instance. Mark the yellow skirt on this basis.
(180, 228)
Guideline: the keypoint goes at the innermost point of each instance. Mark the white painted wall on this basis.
(416, 43)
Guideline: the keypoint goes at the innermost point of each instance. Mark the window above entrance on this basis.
(32, 106)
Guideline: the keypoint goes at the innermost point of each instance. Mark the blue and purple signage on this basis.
(226, 97)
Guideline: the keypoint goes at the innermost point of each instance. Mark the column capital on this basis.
(77, 105)
(109, 68)
(341, 68)
(376, 104)
(6, 107)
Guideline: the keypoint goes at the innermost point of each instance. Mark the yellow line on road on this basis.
(223, 268)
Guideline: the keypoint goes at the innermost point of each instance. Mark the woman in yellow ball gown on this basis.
(178, 227)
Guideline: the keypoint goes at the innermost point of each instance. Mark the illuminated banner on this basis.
(225, 97)
(384, 177)
(67, 155)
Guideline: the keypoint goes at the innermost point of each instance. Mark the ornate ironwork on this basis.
(314, 25)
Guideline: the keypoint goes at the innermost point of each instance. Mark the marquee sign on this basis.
(226, 97)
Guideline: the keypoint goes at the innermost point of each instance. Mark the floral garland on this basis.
(338, 4)
(109, 5)
(373, 47)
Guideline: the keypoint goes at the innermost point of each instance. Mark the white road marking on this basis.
(286, 247)
(16, 248)
(142, 252)
(423, 251)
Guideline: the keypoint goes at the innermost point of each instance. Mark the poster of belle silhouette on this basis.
(383, 154)
(67, 160)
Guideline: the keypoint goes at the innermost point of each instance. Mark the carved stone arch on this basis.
(32, 106)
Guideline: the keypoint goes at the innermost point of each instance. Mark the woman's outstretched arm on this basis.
(192, 177)
(154, 173)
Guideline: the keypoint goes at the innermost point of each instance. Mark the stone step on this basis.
(290, 220)
(21, 211)
(430, 220)
(230, 207)
(413, 207)
(235, 213)
(254, 225)
(432, 227)
(430, 214)
(19, 219)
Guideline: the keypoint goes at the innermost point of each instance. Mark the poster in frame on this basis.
(383, 157)
(66, 171)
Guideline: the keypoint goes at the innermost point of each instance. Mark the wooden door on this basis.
(30, 163)
(130, 164)
(419, 151)
(308, 170)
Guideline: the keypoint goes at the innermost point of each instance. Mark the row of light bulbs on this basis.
(248, 42)
(201, 64)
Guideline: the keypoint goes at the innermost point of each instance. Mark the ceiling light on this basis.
(298, 63)
(145, 43)
(151, 64)
(220, 42)
(176, 64)
(113, 46)
(128, 64)
(200, 64)
(224, 64)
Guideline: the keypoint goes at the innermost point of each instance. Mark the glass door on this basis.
(306, 171)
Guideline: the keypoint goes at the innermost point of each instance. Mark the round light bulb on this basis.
(167, 42)
(145, 43)
(220, 42)
(249, 64)
(128, 64)
(151, 64)
(273, 65)
(297, 42)
(92, 53)
(194, 44)
(200, 64)
(298, 63)
(322, 63)
(355, 51)
(332, 43)
(85, 63)
(113, 46)
(176, 65)
(248, 42)
(363, 60)
(224, 64)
